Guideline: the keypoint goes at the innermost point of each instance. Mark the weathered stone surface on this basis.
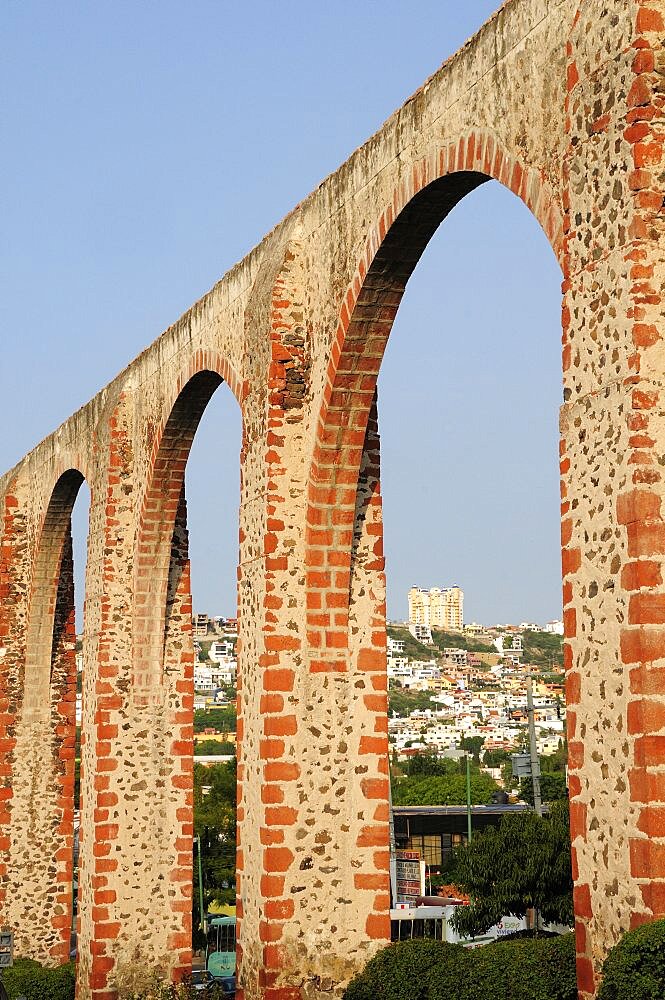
(561, 101)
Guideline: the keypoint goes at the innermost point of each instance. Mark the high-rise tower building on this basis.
(437, 608)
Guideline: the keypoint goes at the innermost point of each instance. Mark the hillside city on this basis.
(452, 685)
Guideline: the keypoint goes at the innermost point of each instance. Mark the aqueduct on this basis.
(561, 101)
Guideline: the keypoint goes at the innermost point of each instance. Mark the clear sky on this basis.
(148, 146)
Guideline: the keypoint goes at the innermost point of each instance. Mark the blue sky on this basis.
(147, 147)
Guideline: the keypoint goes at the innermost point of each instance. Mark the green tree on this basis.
(552, 787)
(457, 640)
(443, 790)
(222, 720)
(496, 758)
(522, 863)
(473, 745)
(555, 761)
(210, 748)
(428, 763)
(215, 823)
(77, 780)
(402, 702)
(507, 774)
(635, 967)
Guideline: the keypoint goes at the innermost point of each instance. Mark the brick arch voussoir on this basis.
(365, 319)
(69, 463)
(51, 549)
(163, 503)
(201, 361)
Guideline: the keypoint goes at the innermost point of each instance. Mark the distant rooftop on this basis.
(489, 810)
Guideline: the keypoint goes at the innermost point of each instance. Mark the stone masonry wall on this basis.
(561, 101)
(611, 459)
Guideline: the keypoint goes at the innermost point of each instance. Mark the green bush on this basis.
(635, 968)
(524, 969)
(30, 980)
(181, 991)
(412, 970)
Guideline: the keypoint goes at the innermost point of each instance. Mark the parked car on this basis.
(203, 981)
(226, 986)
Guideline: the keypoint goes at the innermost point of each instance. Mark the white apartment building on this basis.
(200, 625)
(422, 633)
(555, 627)
(207, 678)
(437, 607)
(220, 651)
(455, 657)
(416, 675)
(510, 647)
(395, 646)
(473, 628)
(398, 663)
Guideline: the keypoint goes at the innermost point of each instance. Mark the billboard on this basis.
(409, 876)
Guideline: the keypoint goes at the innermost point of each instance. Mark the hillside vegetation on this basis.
(540, 648)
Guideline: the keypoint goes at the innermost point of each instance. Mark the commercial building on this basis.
(435, 831)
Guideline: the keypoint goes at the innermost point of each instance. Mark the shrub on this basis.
(412, 970)
(181, 991)
(635, 968)
(523, 969)
(29, 979)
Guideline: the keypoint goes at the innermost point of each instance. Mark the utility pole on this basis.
(533, 748)
(468, 799)
(204, 922)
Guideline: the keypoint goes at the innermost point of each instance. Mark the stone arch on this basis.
(46, 729)
(51, 597)
(161, 550)
(419, 204)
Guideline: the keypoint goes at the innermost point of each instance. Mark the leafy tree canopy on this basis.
(555, 761)
(430, 764)
(443, 790)
(215, 823)
(222, 720)
(457, 640)
(496, 758)
(473, 745)
(522, 863)
(210, 748)
(543, 648)
(552, 787)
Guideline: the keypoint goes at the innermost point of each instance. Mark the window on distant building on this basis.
(429, 846)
